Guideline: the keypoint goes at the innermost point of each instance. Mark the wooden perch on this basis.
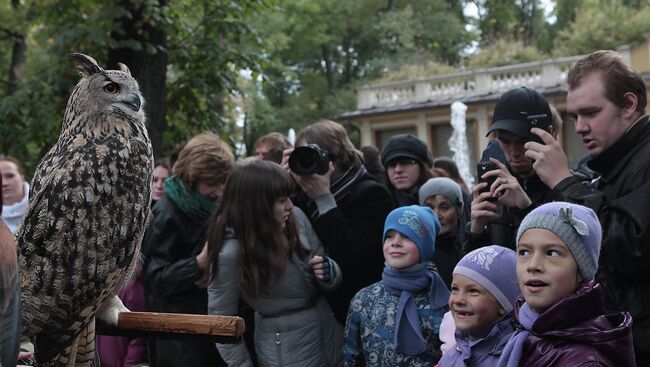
(221, 329)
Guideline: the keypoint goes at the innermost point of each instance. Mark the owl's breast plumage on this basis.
(84, 224)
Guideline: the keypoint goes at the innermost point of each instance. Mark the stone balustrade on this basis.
(466, 84)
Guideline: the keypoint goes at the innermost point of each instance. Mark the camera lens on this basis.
(308, 160)
(303, 161)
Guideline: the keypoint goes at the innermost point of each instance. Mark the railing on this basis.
(539, 74)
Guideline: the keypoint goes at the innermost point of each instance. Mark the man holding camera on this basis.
(506, 193)
(346, 206)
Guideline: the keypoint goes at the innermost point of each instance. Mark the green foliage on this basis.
(412, 71)
(602, 25)
(303, 59)
(504, 52)
(319, 50)
(208, 43)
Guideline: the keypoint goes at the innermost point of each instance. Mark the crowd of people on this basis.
(387, 258)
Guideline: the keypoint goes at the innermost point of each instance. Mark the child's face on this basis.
(546, 269)
(399, 251)
(473, 307)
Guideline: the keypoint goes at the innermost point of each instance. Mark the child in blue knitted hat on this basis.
(395, 322)
(560, 314)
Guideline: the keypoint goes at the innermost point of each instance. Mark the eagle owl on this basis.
(89, 204)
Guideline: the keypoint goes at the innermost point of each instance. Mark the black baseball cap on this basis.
(519, 110)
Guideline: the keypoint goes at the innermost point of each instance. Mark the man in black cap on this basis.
(496, 213)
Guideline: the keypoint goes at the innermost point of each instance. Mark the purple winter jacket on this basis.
(121, 351)
(575, 331)
(483, 352)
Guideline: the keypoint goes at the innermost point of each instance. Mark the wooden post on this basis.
(220, 329)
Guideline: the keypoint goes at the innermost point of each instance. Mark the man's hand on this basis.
(551, 164)
(482, 209)
(315, 185)
(285, 159)
(506, 187)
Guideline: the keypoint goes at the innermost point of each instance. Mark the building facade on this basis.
(422, 106)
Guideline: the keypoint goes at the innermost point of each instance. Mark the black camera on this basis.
(308, 160)
(483, 167)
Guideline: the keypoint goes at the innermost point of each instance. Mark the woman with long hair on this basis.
(264, 251)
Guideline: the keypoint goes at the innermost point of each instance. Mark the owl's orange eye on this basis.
(111, 88)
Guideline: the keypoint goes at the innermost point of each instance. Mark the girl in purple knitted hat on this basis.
(560, 315)
(483, 291)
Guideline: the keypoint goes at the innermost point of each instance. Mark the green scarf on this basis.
(196, 206)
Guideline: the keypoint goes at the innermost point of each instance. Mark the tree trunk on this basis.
(148, 67)
(18, 56)
(329, 73)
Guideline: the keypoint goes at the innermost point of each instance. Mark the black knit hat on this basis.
(519, 110)
(406, 146)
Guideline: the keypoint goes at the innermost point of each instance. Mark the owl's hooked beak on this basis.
(133, 101)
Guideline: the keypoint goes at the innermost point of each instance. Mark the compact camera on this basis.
(308, 160)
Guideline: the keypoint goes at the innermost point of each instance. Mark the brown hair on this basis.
(618, 77)
(276, 143)
(16, 162)
(204, 158)
(438, 172)
(448, 165)
(264, 247)
(274, 140)
(332, 137)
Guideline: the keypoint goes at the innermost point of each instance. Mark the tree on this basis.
(512, 19)
(320, 50)
(186, 57)
(603, 25)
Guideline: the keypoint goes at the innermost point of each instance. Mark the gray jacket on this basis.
(294, 325)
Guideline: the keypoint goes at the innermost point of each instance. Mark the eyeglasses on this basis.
(402, 162)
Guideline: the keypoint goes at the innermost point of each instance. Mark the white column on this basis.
(366, 133)
(421, 127)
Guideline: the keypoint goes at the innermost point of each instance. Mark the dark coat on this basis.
(401, 198)
(446, 255)
(171, 245)
(621, 199)
(575, 331)
(351, 233)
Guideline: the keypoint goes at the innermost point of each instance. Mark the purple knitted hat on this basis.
(494, 268)
(576, 225)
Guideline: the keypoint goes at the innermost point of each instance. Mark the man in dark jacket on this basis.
(607, 98)
(517, 189)
(347, 208)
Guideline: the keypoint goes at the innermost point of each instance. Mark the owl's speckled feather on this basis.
(88, 208)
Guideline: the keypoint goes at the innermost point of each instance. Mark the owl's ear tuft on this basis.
(124, 68)
(87, 65)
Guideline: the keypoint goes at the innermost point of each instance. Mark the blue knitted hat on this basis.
(420, 224)
(576, 225)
